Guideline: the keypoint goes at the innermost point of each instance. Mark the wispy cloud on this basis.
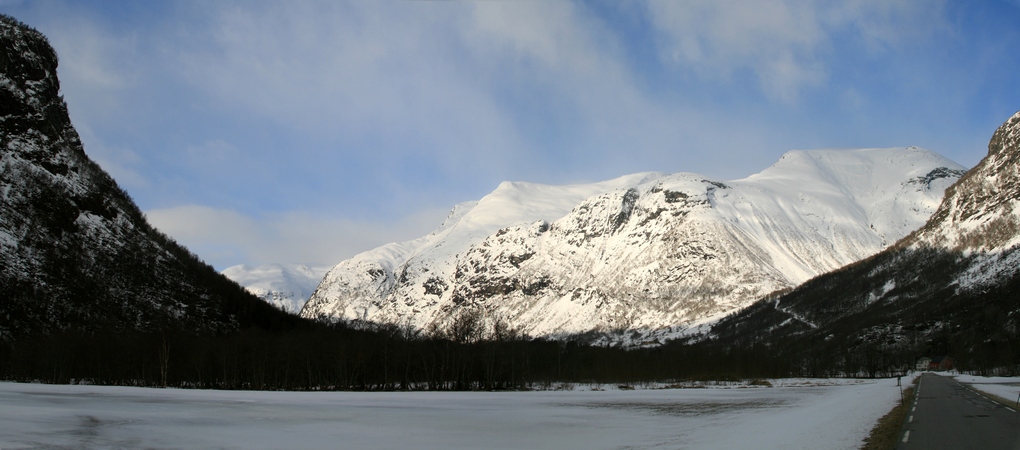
(787, 44)
(469, 93)
(353, 73)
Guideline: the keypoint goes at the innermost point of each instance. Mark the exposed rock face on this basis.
(648, 254)
(75, 251)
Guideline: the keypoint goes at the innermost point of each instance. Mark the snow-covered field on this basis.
(1005, 387)
(795, 414)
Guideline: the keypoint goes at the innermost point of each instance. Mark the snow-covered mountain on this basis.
(951, 286)
(647, 254)
(285, 286)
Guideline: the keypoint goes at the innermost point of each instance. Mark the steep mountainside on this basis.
(285, 286)
(648, 254)
(951, 287)
(980, 212)
(75, 251)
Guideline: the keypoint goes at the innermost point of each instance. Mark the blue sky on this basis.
(258, 132)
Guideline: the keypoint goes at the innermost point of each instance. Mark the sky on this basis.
(309, 131)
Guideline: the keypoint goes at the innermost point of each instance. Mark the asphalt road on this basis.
(949, 415)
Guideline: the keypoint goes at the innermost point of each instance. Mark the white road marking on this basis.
(911, 419)
(913, 409)
(906, 436)
(1010, 409)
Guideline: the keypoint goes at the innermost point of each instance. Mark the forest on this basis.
(314, 356)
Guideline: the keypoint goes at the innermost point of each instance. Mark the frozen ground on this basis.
(1005, 387)
(796, 414)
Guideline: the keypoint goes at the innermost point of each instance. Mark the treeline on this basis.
(340, 358)
(979, 331)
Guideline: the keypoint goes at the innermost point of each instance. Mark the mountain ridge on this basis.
(655, 253)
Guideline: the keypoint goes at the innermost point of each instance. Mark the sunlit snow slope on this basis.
(649, 255)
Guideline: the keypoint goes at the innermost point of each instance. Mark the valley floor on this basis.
(793, 414)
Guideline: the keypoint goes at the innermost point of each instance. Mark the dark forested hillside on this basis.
(76, 253)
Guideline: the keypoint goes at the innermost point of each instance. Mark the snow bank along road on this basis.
(795, 414)
(947, 414)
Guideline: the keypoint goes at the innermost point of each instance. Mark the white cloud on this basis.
(777, 40)
(884, 24)
(224, 237)
(555, 35)
(785, 43)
